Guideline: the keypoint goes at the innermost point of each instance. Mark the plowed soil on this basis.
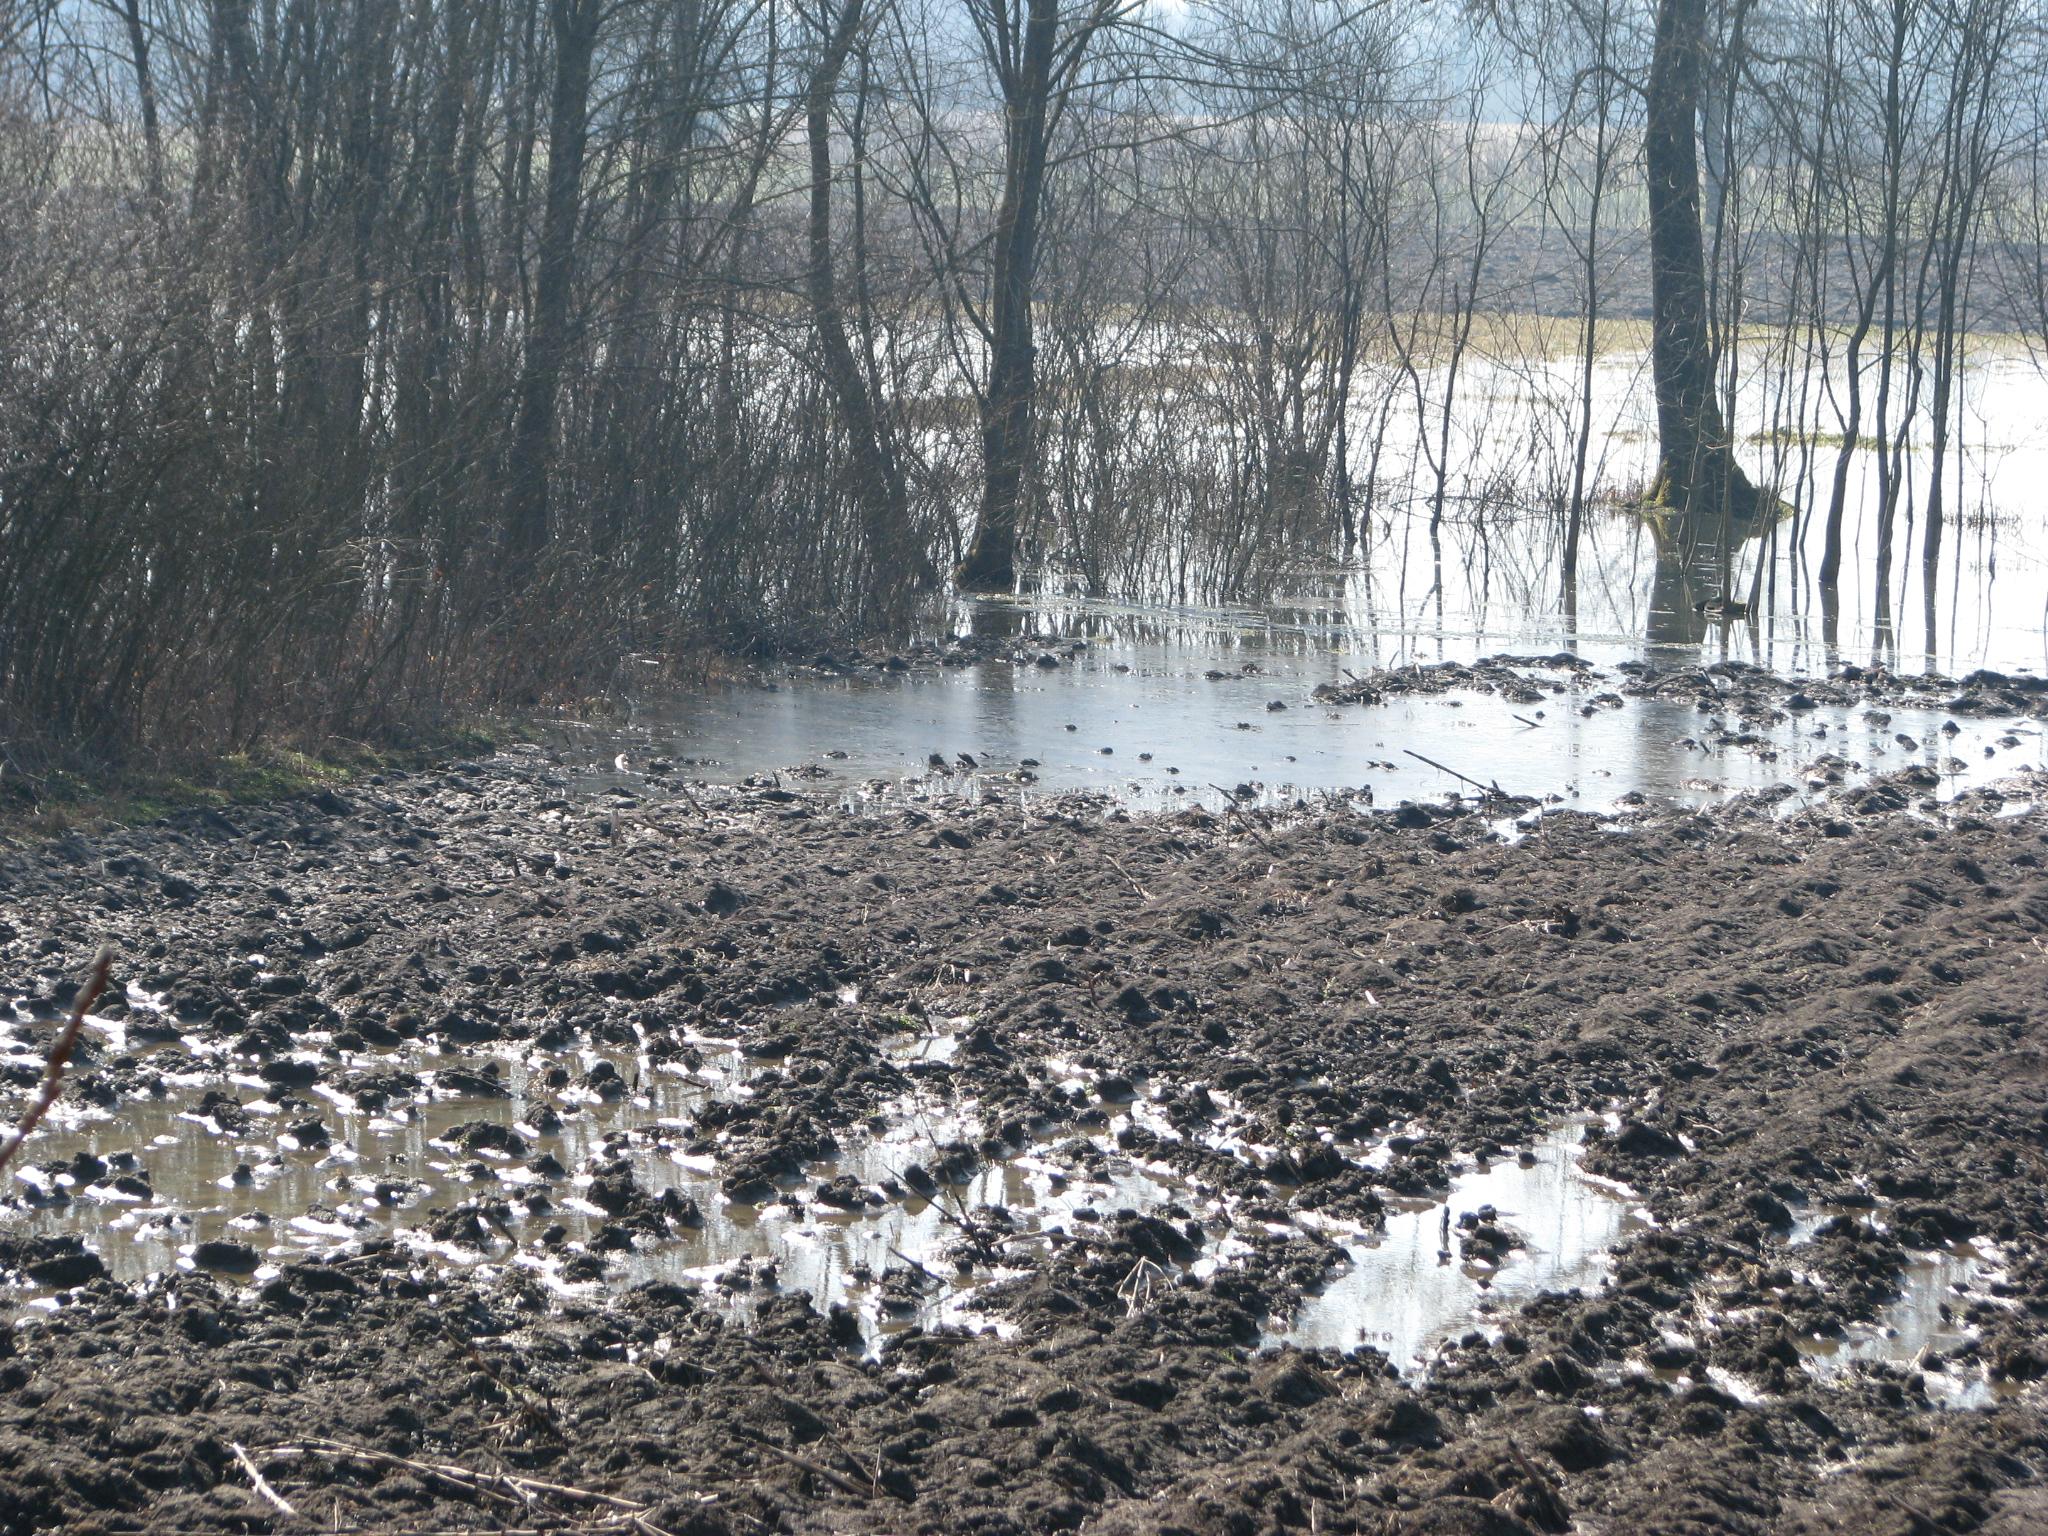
(1829, 1027)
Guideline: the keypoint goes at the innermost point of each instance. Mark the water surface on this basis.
(1160, 710)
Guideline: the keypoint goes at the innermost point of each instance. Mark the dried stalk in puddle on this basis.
(60, 1054)
(1230, 806)
(1486, 791)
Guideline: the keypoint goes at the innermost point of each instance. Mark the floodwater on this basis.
(398, 1170)
(158, 1185)
(1149, 709)
(1169, 701)
(1477, 564)
(1925, 1329)
(1415, 1285)
(1160, 709)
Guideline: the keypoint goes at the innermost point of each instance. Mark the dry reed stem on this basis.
(261, 1484)
(508, 1486)
(60, 1053)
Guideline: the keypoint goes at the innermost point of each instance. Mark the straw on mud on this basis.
(521, 1397)
(1136, 1289)
(262, 1486)
(1128, 878)
(508, 1486)
(838, 1480)
(60, 1053)
(1551, 1508)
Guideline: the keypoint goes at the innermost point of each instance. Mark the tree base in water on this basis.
(990, 578)
(1698, 508)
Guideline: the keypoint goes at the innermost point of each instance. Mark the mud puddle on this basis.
(587, 1169)
(1505, 1233)
(226, 1156)
(1925, 1330)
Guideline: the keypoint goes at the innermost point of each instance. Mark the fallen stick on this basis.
(1230, 805)
(838, 1480)
(458, 1477)
(898, 1253)
(1534, 725)
(60, 1053)
(1554, 1511)
(853, 1461)
(1128, 880)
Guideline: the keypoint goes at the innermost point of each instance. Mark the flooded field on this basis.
(1160, 720)
(533, 1174)
(738, 1081)
(1127, 770)
(1474, 564)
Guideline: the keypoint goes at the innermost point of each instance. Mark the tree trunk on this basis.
(145, 97)
(879, 477)
(991, 563)
(575, 28)
(1697, 477)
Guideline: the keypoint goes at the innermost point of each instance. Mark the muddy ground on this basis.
(1817, 1042)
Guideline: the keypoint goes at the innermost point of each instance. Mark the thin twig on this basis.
(60, 1053)
(521, 1397)
(959, 1217)
(1230, 805)
(1555, 1511)
(906, 1258)
(1484, 789)
(1129, 880)
(838, 1480)
(270, 1494)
